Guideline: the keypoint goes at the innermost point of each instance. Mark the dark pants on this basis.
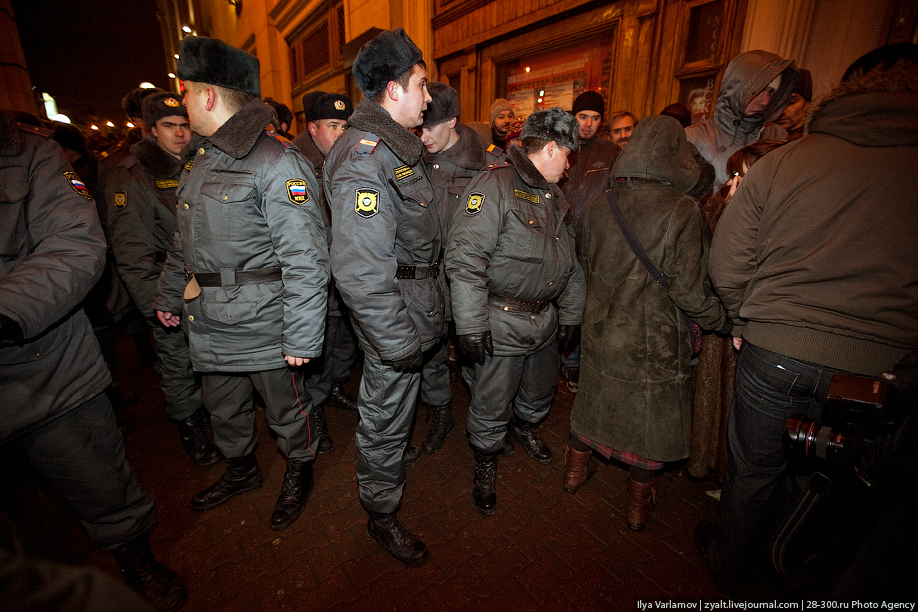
(435, 385)
(523, 385)
(81, 454)
(769, 388)
(181, 386)
(229, 399)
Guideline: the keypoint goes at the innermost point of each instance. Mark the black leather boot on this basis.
(326, 445)
(484, 484)
(525, 434)
(442, 425)
(143, 573)
(342, 400)
(396, 540)
(294, 494)
(197, 445)
(241, 476)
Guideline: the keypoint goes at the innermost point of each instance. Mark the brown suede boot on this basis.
(579, 468)
(640, 496)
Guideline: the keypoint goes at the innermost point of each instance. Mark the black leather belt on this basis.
(514, 305)
(231, 278)
(405, 272)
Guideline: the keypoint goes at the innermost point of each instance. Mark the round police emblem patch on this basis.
(367, 202)
(473, 206)
(120, 199)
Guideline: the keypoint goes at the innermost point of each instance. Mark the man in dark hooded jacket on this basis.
(756, 87)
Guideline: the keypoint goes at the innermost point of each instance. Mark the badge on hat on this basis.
(367, 202)
(171, 102)
(339, 105)
(74, 179)
(473, 207)
(120, 199)
(297, 192)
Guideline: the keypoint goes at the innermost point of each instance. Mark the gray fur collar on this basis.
(371, 117)
(528, 172)
(239, 134)
(154, 160)
(10, 143)
(469, 152)
(308, 148)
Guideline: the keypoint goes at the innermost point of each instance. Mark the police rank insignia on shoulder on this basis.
(120, 199)
(188, 164)
(167, 183)
(403, 172)
(367, 202)
(524, 195)
(297, 192)
(74, 179)
(473, 206)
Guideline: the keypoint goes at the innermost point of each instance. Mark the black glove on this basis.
(568, 338)
(476, 345)
(409, 362)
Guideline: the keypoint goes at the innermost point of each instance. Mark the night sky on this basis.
(89, 53)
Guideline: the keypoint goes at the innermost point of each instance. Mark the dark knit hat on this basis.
(444, 104)
(163, 104)
(133, 102)
(804, 86)
(384, 59)
(212, 61)
(589, 100)
(552, 124)
(497, 107)
(320, 105)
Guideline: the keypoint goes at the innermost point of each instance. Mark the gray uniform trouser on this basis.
(523, 385)
(386, 403)
(229, 396)
(338, 355)
(82, 454)
(181, 386)
(435, 385)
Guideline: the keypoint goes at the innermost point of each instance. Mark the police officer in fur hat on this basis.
(516, 288)
(386, 261)
(248, 275)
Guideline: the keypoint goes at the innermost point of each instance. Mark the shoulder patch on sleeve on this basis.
(473, 206)
(284, 141)
(367, 202)
(297, 191)
(79, 186)
(120, 200)
(367, 144)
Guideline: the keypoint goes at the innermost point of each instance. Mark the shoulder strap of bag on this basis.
(633, 241)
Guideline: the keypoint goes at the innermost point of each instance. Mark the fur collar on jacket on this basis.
(469, 152)
(371, 117)
(310, 151)
(10, 143)
(528, 172)
(239, 134)
(154, 159)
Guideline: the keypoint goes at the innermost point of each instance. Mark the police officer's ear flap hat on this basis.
(163, 104)
(320, 105)
(133, 102)
(444, 104)
(552, 124)
(384, 59)
(212, 61)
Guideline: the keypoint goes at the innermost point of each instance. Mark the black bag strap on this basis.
(633, 241)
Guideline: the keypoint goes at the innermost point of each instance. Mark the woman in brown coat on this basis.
(633, 404)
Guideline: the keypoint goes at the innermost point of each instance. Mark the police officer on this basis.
(52, 374)
(326, 119)
(141, 222)
(514, 278)
(385, 258)
(454, 153)
(250, 263)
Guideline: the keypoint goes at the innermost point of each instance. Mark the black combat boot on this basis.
(241, 476)
(294, 494)
(396, 539)
(326, 445)
(197, 445)
(143, 573)
(342, 400)
(442, 425)
(484, 484)
(525, 434)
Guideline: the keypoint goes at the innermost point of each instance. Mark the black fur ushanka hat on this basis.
(384, 59)
(212, 61)
(552, 124)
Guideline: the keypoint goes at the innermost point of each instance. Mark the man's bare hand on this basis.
(168, 319)
(737, 343)
(296, 361)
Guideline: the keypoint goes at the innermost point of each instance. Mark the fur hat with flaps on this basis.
(321, 105)
(552, 124)
(443, 106)
(163, 104)
(384, 59)
(132, 103)
(212, 61)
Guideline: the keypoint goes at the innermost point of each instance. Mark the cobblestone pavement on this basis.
(543, 549)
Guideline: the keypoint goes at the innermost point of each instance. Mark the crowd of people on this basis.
(511, 254)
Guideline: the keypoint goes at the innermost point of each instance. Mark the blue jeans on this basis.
(769, 388)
